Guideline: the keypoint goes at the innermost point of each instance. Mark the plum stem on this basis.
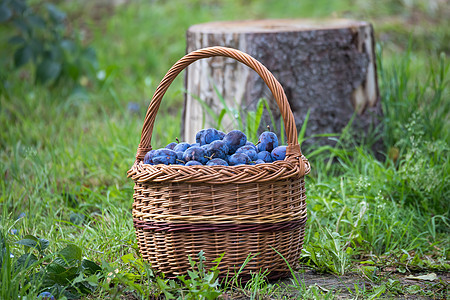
(209, 157)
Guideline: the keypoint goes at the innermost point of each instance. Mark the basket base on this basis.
(168, 252)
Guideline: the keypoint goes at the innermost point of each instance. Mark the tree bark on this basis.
(326, 67)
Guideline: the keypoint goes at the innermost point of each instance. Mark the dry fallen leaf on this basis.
(429, 277)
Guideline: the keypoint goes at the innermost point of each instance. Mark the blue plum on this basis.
(148, 158)
(217, 149)
(193, 163)
(195, 153)
(265, 156)
(181, 147)
(164, 156)
(251, 144)
(211, 134)
(259, 161)
(234, 140)
(179, 160)
(267, 141)
(206, 136)
(199, 136)
(239, 159)
(249, 151)
(46, 296)
(279, 153)
(221, 134)
(171, 145)
(217, 162)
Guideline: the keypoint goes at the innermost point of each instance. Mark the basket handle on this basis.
(293, 148)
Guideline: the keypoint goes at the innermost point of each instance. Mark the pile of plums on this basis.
(214, 147)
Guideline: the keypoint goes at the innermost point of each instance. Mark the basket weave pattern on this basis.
(239, 210)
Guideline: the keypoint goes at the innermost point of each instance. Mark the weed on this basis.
(41, 38)
(199, 284)
(64, 273)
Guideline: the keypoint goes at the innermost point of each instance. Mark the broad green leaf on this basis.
(164, 288)
(90, 56)
(55, 13)
(29, 241)
(60, 274)
(72, 69)
(5, 13)
(22, 56)
(68, 45)
(18, 6)
(209, 277)
(127, 258)
(47, 70)
(85, 287)
(22, 26)
(192, 274)
(26, 260)
(55, 268)
(55, 53)
(38, 48)
(78, 279)
(90, 267)
(43, 244)
(36, 21)
(16, 40)
(70, 253)
(93, 280)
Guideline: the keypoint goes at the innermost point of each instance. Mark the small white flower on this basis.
(101, 75)
(147, 81)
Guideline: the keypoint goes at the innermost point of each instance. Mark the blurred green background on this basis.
(66, 144)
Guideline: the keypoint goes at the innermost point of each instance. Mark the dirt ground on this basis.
(344, 286)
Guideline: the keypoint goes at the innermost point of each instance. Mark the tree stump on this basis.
(326, 67)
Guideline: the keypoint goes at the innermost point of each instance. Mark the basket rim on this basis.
(291, 167)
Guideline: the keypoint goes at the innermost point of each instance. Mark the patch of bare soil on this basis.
(345, 286)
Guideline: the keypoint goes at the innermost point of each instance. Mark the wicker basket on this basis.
(237, 210)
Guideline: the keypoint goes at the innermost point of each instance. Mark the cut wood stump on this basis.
(326, 67)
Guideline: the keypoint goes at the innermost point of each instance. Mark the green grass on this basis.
(64, 152)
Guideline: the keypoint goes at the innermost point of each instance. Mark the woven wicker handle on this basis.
(293, 148)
